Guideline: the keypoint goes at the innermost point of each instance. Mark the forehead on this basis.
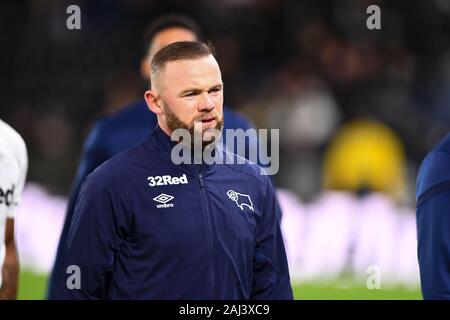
(200, 72)
(170, 35)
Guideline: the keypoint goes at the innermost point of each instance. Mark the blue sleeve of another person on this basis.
(433, 225)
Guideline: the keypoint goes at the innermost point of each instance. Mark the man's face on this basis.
(191, 96)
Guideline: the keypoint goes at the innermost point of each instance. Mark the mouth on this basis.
(208, 120)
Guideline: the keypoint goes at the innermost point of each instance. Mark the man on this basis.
(146, 228)
(433, 222)
(13, 169)
(134, 123)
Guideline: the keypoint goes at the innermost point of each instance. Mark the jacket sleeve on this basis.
(433, 235)
(91, 244)
(92, 156)
(270, 269)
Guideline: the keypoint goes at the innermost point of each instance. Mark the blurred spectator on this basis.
(357, 221)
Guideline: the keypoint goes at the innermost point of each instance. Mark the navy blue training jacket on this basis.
(145, 228)
(109, 136)
(433, 222)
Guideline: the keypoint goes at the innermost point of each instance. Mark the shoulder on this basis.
(115, 129)
(137, 111)
(246, 169)
(13, 142)
(435, 168)
(120, 171)
(233, 120)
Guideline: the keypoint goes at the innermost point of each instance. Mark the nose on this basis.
(206, 103)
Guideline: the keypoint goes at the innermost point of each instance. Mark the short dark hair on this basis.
(172, 20)
(183, 50)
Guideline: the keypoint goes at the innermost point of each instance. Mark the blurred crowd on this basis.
(309, 68)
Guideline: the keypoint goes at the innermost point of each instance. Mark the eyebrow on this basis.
(197, 90)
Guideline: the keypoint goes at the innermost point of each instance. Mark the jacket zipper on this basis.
(208, 226)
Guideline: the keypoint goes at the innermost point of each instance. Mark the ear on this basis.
(152, 99)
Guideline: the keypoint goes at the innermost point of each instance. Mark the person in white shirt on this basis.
(13, 170)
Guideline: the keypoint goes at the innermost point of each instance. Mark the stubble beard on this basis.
(194, 128)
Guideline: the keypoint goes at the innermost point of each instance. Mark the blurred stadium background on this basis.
(357, 111)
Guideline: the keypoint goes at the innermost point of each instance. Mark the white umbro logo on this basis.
(163, 199)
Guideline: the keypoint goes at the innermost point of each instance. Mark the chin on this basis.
(211, 134)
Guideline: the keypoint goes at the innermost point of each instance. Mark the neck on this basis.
(164, 128)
